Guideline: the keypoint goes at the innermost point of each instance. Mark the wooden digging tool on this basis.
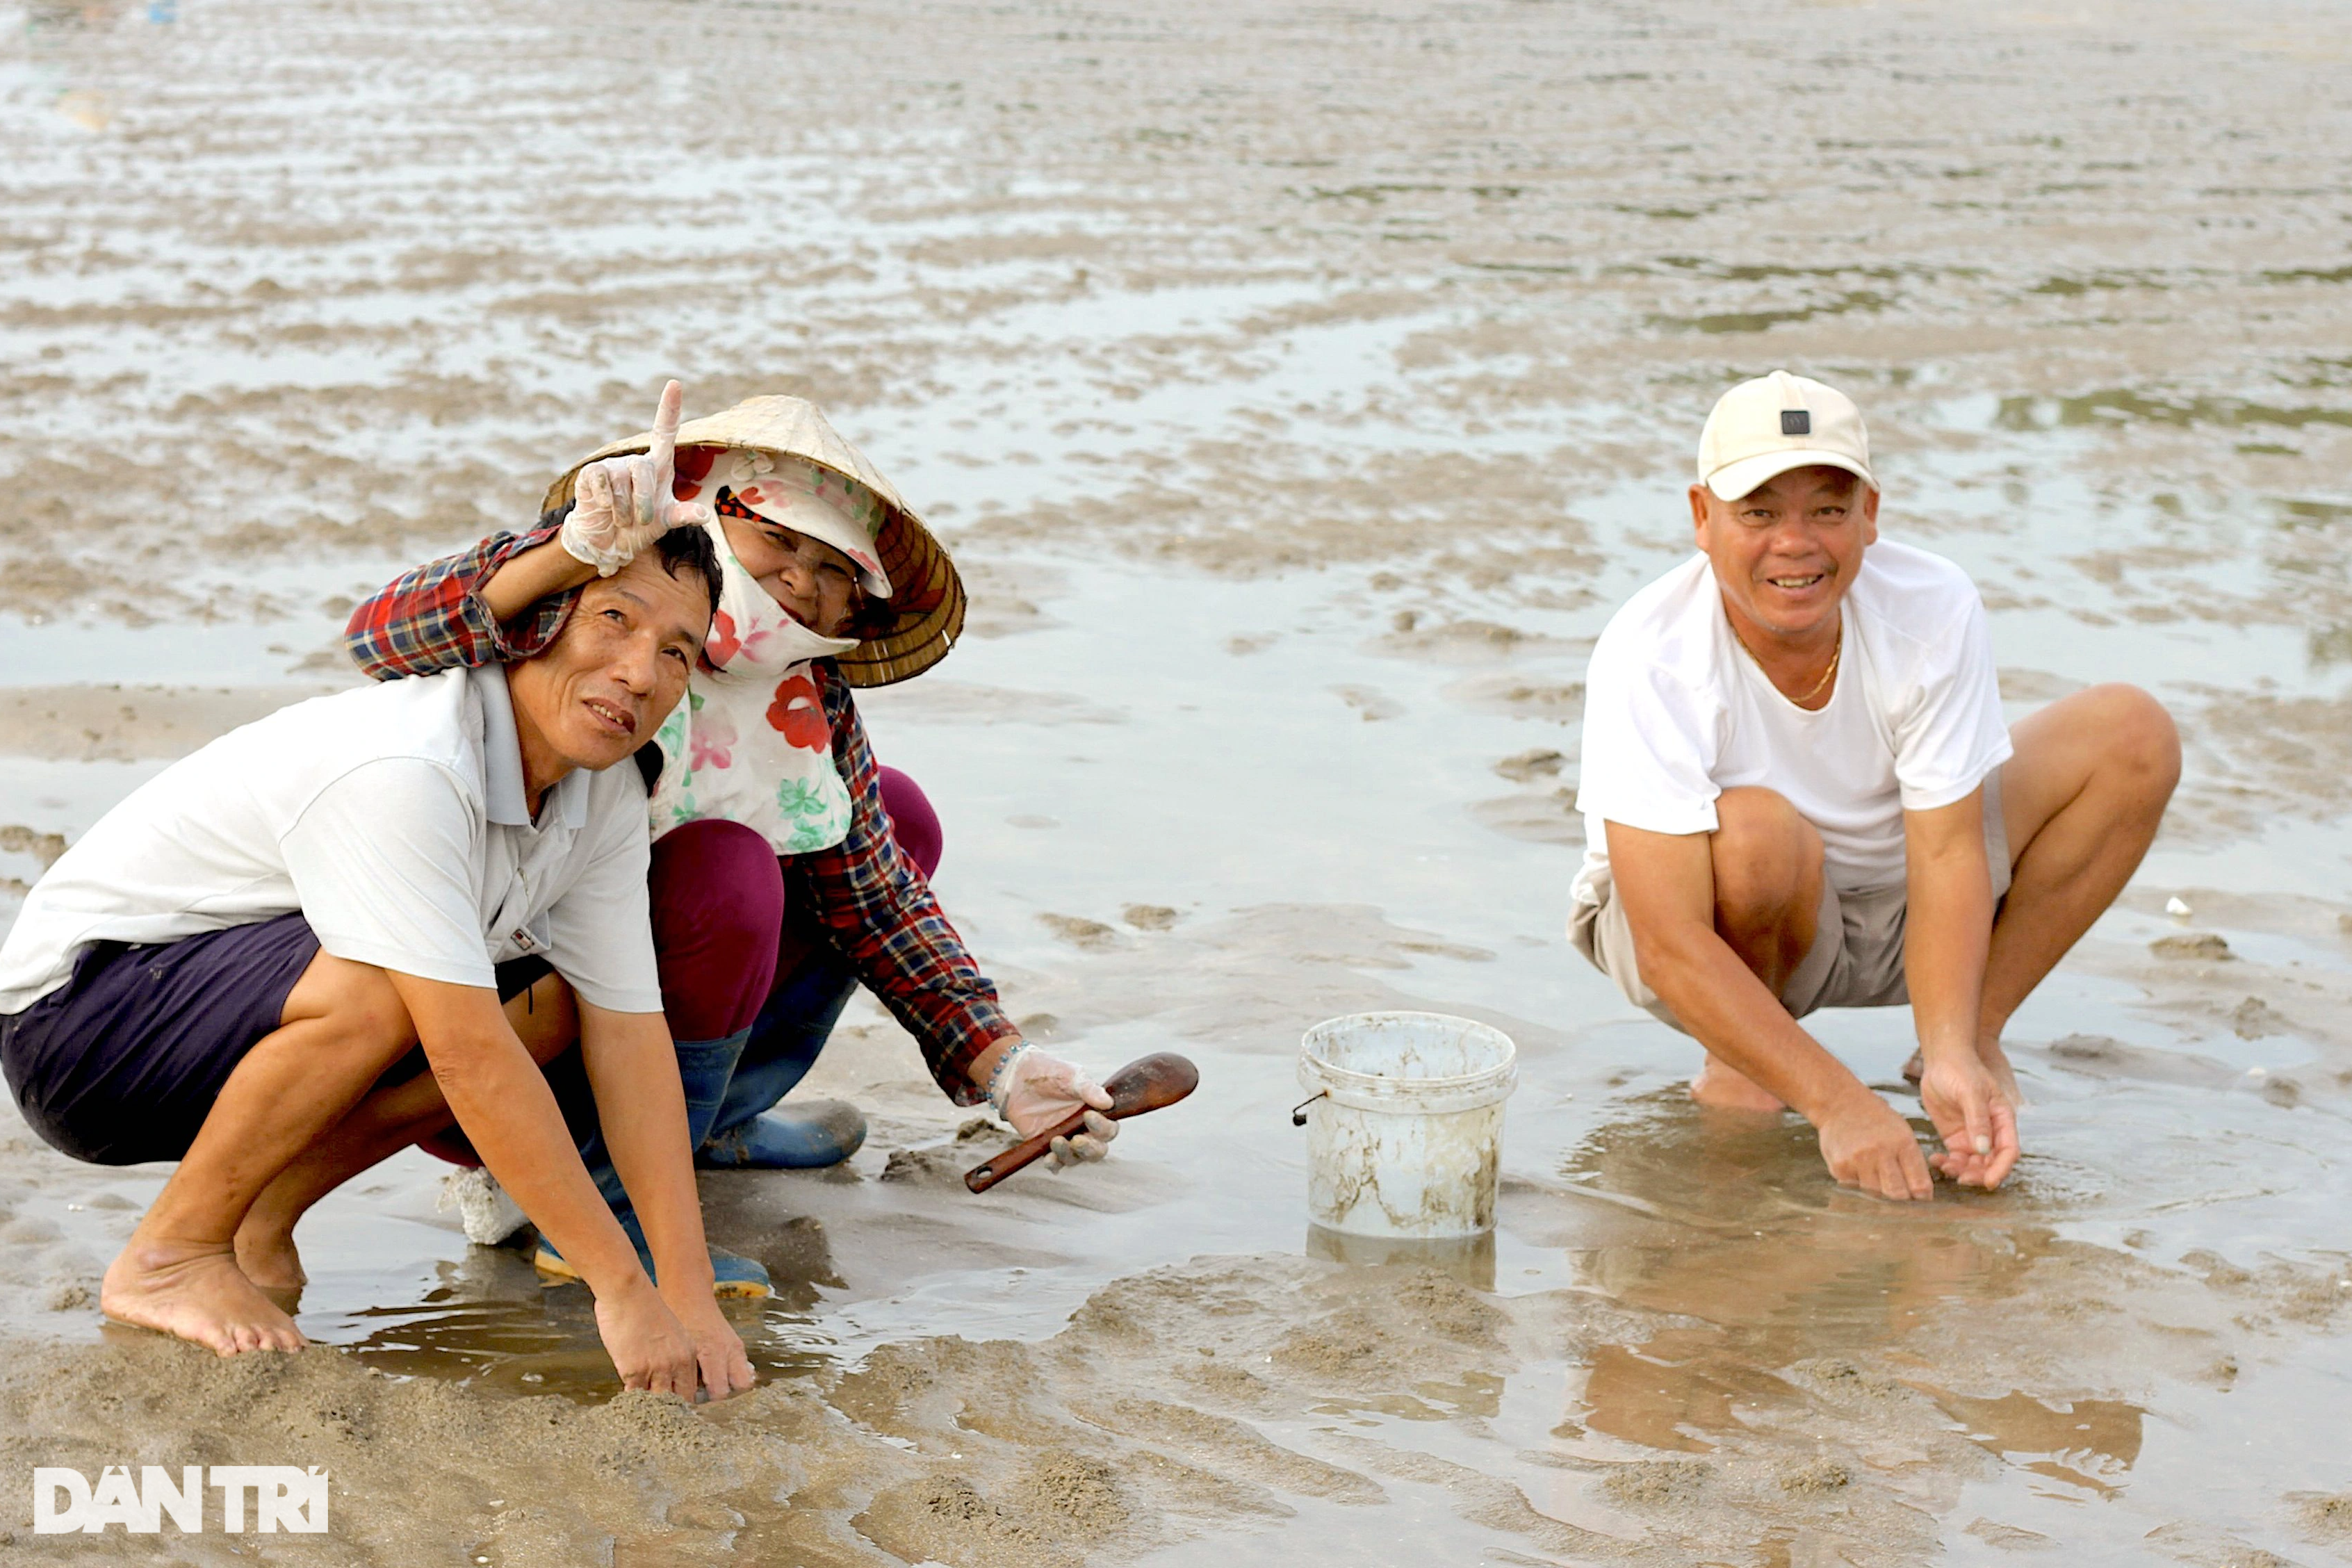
(1144, 1084)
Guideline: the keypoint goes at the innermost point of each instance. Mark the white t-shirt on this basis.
(1675, 712)
(395, 818)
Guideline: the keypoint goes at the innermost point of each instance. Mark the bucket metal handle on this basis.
(1299, 1111)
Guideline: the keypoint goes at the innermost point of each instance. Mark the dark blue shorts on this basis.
(121, 1064)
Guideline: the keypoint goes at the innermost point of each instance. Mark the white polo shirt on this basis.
(393, 817)
(1675, 712)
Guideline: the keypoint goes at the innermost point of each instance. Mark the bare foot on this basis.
(1722, 1087)
(195, 1292)
(265, 1254)
(1915, 1069)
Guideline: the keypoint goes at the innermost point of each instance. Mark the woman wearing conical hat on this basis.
(787, 865)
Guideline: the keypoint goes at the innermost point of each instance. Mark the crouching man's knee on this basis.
(351, 1007)
(1768, 860)
(2139, 740)
(1766, 864)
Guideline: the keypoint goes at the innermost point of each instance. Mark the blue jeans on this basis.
(787, 1037)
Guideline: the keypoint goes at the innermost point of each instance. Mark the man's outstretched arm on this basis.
(1947, 928)
(1667, 884)
(633, 1069)
(503, 1105)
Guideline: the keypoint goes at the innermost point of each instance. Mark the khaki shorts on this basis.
(1856, 959)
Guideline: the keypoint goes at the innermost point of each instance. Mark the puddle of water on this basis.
(491, 1320)
(2122, 405)
(2085, 1443)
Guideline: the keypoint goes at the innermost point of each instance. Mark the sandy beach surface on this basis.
(1299, 386)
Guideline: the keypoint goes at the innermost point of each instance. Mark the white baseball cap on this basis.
(1762, 429)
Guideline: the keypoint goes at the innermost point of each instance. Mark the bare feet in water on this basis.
(1724, 1088)
(195, 1292)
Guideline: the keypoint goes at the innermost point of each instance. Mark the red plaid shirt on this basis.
(875, 904)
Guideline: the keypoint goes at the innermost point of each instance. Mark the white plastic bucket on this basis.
(1405, 1134)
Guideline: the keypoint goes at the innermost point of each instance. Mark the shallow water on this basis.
(1300, 390)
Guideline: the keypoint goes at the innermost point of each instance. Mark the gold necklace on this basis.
(1836, 653)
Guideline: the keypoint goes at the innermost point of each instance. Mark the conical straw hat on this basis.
(927, 598)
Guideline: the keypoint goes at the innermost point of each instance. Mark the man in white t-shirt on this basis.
(236, 967)
(1799, 793)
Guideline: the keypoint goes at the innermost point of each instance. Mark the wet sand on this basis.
(1300, 388)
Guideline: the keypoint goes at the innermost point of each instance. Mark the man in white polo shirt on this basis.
(235, 968)
(1799, 793)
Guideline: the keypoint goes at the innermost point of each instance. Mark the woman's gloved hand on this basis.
(620, 505)
(1033, 1091)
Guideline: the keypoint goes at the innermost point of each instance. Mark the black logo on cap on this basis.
(1796, 422)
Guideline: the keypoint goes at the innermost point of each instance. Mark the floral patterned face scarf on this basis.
(751, 744)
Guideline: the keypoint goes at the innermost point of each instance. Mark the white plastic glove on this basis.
(620, 505)
(1033, 1091)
